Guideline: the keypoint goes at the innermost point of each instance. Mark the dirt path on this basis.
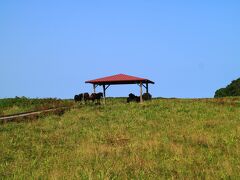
(31, 115)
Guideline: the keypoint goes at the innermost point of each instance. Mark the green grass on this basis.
(158, 139)
(19, 105)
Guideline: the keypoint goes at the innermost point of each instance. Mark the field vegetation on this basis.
(162, 138)
(22, 104)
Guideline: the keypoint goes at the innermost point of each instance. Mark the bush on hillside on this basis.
(232, 89)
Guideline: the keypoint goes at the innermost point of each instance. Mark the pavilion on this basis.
(120, 79)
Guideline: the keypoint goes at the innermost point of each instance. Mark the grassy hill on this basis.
(165, 138)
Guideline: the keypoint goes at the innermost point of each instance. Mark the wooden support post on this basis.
(141, 99)
(104, 94)
(83, 98)
(147, 88)
(94, 88)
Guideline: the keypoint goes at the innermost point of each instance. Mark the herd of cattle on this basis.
(98, 96)
(86, 97)
(133, 98)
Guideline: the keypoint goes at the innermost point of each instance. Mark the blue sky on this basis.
(49, 48)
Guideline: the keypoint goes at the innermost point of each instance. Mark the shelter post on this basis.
(141, 99)
(104, 94)
(94, 88)
(83, 97)
(147, 88)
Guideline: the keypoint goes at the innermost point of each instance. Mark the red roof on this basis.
(119, 79)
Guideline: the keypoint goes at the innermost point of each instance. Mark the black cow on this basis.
(86, 97)
(133, 98)
(147, 96)
(78, 98)
(81, 97)
(96, 96)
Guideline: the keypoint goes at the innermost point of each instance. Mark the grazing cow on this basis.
(99, 96)
(76, 98)
(147, 96)
(96, 96)
(86, 97)
(80, 97)
(133, 98)
(92, 97)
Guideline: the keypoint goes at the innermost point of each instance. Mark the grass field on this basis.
(164, 138)
(20, 105)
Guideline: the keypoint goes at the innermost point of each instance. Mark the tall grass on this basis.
(158, 139)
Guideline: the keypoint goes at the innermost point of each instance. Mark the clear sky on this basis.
(48, 48)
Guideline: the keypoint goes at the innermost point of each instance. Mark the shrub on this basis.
(232, 89)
